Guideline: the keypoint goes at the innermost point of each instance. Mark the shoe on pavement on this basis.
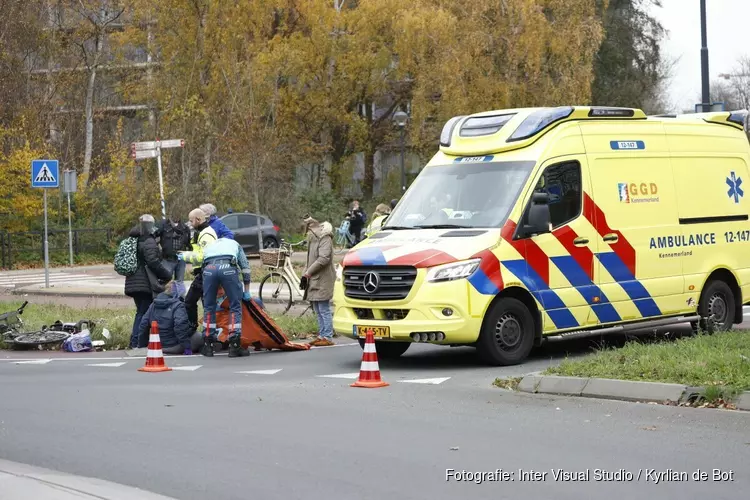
(236, 350)
(321, 342)
(208, 348)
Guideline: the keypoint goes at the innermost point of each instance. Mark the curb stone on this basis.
(625, 390)
(743, 403)
(628, 390)
(572, 386)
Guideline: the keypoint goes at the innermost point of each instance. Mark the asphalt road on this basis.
(289, 432)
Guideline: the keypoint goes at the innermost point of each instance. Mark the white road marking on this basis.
(186, 368)
(351, 376)
(166, 356)
(112, 365)
(34, 362)
(433, 381)
(262, 372)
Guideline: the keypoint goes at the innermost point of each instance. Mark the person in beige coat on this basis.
(319, 277)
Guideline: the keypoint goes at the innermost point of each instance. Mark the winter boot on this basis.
(235, 348)
(208, 347)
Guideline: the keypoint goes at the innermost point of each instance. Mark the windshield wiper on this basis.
(444, 226)
(396, 228)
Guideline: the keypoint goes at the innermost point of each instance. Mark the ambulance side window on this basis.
(562, 183)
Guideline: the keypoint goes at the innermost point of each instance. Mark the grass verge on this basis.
(720, 363)
(119, 321)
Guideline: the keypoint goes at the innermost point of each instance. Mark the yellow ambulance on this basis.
(558, 221)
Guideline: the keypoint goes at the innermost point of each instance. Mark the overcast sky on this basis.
(728, 24)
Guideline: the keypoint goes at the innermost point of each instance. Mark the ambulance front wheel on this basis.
(716, 307)
(507, 335)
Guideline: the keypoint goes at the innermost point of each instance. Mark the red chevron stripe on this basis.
(596, 217)
(491, 267)
(423, 258)
(535, 256)
(585, 257)
(352, 259)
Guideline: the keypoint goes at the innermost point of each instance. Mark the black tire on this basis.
(507, 335)
(270, 242)
(388, 350)
(716, 307)
(276, 292)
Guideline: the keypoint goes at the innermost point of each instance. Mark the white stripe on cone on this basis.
(369, 347)
(153, 338)
(154, 353)
(370, 366)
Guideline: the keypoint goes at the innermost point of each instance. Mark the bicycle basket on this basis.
(272, 257)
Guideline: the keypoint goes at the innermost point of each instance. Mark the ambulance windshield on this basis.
(470, 195)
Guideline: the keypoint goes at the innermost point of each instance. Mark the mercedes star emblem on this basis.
(371, 282)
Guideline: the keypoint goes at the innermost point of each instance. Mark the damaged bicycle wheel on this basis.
(42, 337)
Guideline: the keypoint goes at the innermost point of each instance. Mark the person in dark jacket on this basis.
(145, 284)
(357, 219)
(222, 231)
(169, 312)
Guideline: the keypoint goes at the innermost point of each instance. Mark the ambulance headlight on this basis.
(454, 271)
(339, 272)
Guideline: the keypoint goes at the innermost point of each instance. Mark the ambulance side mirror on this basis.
(537, 216)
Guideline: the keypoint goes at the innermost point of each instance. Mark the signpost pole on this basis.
(161, 183)
(46, 244)
(70, 233)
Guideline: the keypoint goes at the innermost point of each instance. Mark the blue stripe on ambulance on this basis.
(577, 277)
(634, 288)
(482, 283)
(553, 305)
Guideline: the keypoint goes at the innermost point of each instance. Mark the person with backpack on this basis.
(148, 273)
(174, 237)
(168, 310)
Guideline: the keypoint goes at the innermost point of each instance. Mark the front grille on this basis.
(364, 313)
(394, 282)
(395, 314)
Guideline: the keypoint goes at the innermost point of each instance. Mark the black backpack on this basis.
(175, 237)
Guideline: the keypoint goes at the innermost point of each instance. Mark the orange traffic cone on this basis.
(154, 358)
(369, 372)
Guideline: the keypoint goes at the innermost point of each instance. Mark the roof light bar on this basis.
(484, 125)
(612, 112)
(538, 121)
(447, 134)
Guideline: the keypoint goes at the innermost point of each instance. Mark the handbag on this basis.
(154, 283)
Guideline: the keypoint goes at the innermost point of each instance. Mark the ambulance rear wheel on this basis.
(716, 307)
(507, 335)
(388, 350)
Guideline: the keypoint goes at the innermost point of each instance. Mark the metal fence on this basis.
(29, 246)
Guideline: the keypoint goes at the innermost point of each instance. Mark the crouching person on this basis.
(224, 262)
(168, 310)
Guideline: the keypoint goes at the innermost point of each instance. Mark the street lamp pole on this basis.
(704, 60)
(403, 169)
(400, 118)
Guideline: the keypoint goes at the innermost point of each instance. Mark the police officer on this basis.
(223, 262)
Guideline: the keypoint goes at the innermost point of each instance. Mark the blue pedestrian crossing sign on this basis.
(45, 174)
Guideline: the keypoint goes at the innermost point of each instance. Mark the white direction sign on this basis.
(147, 153)
(154, 145)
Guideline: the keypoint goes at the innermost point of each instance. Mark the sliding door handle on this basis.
(581, 241)
(611, 238)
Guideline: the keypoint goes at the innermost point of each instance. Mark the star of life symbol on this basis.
(735, 191)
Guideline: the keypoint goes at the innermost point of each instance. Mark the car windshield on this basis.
(461, 195)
